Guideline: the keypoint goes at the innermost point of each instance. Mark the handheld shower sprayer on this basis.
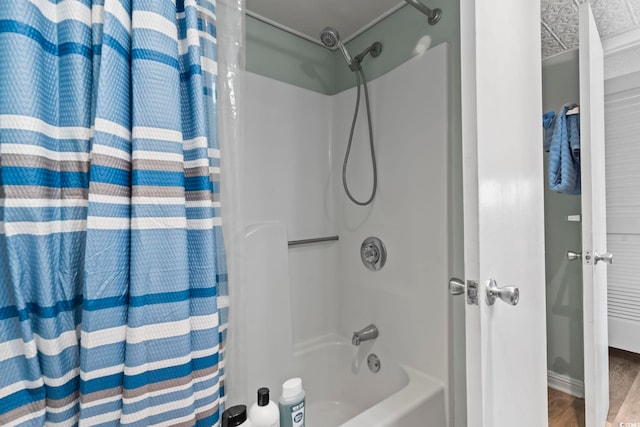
(330, 38)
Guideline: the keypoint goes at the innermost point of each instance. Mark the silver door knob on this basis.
(508, 294)
(606, 257)
(572, 256)
(456, 286)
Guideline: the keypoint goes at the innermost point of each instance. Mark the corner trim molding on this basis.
(565, 384)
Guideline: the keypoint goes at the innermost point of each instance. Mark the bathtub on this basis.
(343, 392)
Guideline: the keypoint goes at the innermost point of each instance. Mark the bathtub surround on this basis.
(288, 134)
(296, 140)
(404, 34)
(267, 318)
(409, 217)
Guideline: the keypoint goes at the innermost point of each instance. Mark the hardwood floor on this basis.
(624, 395)
(624, 387)
(565, 410)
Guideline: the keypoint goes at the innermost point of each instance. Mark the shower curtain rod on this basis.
(433, 14)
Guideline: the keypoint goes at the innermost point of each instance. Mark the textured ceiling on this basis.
(560, 21)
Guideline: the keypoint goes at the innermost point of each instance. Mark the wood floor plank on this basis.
(624, 392)
(565, 410)
(624, 367)
(629, 412)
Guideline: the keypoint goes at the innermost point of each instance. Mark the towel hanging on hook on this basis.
(564, 152)
(573, 111)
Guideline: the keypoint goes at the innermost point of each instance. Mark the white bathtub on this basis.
(343, 392)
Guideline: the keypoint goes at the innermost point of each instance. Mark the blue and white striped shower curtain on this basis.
(111, 254)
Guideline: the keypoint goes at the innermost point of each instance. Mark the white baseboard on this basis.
(565, 384)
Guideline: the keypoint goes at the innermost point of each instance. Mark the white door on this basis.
(594, 230)
(503, 211)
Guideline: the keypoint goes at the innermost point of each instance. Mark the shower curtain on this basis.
(111, 254)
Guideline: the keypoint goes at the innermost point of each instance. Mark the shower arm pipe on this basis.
(433, 14)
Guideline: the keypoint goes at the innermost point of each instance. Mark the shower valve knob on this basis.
(371, 254)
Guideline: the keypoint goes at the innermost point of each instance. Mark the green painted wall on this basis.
(565, 353)
(282, 56)
(403, 35)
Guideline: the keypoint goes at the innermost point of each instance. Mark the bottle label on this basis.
(297, 415)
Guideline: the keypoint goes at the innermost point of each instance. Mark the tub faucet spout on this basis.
(368, 333)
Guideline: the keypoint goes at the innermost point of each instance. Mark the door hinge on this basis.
(472, 292)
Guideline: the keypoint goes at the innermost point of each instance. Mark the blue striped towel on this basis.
(564, 153)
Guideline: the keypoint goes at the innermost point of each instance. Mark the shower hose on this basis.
(360, 78)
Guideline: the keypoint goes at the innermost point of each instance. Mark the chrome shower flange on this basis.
(376, 49)
(373, 253)
(435, 18)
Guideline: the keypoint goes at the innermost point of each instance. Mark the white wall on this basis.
(287, 180)
(408, 299)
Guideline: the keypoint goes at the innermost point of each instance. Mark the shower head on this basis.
(330, 38)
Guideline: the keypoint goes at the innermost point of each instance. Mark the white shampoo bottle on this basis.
(264, 413)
